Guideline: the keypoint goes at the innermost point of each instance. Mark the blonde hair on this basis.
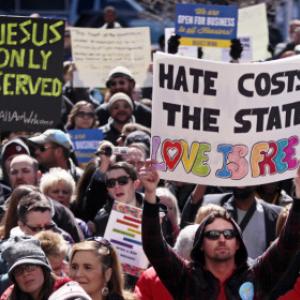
(55, 176)
(205, 210)
(52, 243)
(107, 260)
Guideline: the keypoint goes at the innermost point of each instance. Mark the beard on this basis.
(243, 193)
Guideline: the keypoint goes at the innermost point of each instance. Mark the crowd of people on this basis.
(202, 242)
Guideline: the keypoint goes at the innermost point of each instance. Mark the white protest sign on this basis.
(252, 24)
(97, 51)
(225, 124)
(124, 231)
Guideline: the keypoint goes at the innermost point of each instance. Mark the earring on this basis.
(105, 291)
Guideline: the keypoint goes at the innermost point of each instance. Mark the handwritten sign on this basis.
(31, 56)
(225, 124)
(124, 230)
(97, 51)
(206, 25)
(86, 142)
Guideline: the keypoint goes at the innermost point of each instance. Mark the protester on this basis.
(59, 185)
(110, 17)
(252, 215)
(24, 170)
(120, 109)
(29, 270)
(94, 264)
(54, 148)
(10, 218)
(219, 268)
(82, 116)
(120, 79)
(56, 250)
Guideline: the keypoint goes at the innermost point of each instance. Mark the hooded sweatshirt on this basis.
(191, 281)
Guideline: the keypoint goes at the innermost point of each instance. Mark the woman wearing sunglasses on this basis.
(29, 270)
(82, 116)
(94, 264)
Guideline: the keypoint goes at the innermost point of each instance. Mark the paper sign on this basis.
(225, 124)
(206, 25)
(124, 231)
(97, 51)
(86, 142)
(31, 65)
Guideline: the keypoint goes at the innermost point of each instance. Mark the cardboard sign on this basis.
(86, 142)
(225, 124)
(124, 231)
(97, 51)
(31, 65)
(206, 25)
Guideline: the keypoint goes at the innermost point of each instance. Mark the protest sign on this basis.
(97, 51)
(86, 142)
(225, 124)
(206, 25)
(31, 64)
(124, 231)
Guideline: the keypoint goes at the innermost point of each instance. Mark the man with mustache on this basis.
(251, 213)
(121, 112)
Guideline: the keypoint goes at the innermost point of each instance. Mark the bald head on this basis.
(23, 170)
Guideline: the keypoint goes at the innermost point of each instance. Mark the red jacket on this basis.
(292, 294)
(149, 287)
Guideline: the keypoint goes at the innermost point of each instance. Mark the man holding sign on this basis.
(219, 268)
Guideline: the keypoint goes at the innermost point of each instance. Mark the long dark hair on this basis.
(46, 290)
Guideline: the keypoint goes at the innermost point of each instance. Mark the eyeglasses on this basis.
(122, 180)
(41, 228)
(82, 114)
(42, 148)
(18, 271)
(115, 82)
(215, 234)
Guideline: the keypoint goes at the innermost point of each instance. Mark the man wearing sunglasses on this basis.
(121, 184)
(219, 269)
(120, 79)
(54, 148)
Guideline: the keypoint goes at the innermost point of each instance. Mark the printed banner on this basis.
(206, 25)
(225, 124)
(97, 51)
(31, 66)
(86, 142)
(124, 231)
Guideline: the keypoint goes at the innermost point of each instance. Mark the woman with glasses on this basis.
(82, 116)
(95, 265)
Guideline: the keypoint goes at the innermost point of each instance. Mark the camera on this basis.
(109, 151)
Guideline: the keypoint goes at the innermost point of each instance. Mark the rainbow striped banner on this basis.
(124, 231)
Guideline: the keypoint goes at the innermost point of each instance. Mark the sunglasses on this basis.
(103, 244)
(82, 114)
(42, 148)
(41, 228)
(18, 271)
(115, 82)
(215, 234)
(122, 180)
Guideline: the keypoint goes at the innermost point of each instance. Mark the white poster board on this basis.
(97, 51)
(124, 231)
(225, 124)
